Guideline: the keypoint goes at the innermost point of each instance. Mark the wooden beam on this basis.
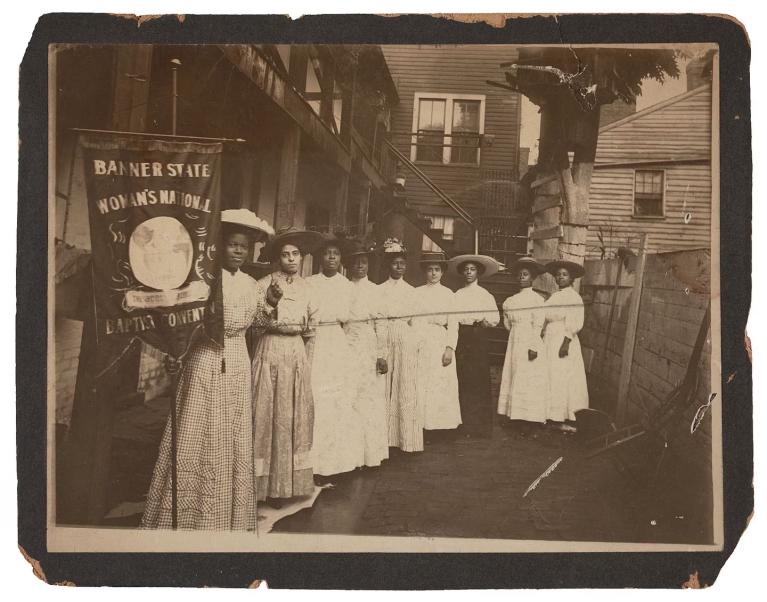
(547, 233)
(627, 357)
(285, 210)
(548, 201)
(255, 66)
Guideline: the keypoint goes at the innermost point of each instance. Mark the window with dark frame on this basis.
(648, 193)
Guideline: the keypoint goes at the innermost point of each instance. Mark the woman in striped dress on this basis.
(405, 417)
(213, 412)
(282, 396)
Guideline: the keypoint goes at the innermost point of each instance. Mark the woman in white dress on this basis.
(524, 393)
(366, 334)
(405, 418)
(564, 320)
(437, 329)
(338, 444)
(477, 312)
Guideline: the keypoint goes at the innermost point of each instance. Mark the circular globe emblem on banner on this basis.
(160, 253)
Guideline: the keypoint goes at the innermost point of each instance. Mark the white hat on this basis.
(487, 265)
(247, 219)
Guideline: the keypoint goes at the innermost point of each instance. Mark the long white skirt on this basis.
(338, 444)
(567, 375)
(524, 393)
(437, 384)
(370, 400)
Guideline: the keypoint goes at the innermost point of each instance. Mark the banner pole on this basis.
(175, 63)
(175, 373)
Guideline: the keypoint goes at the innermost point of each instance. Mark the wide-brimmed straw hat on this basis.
(576, 270)
(307, 241)
(432, 257)
(531, 264)
(486, 265)
(246, 219)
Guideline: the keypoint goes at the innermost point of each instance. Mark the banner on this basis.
(154, 213)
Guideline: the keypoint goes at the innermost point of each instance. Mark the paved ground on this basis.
(458, 488)
(475, 488)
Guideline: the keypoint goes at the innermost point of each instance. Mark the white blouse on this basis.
(367, 308)
(474, 303)
(397, 299)
(435, 305)
(331, 298)
(566, 306)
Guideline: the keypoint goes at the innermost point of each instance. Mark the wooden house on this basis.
(463, 135)
(653, 175)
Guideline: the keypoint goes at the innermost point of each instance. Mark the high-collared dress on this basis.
(282, 395)
(437, 329)
(473, 304)
(567, 375)
(366, 334)
(405, 417)
(338, 443)
(214, 427)
(524, 392)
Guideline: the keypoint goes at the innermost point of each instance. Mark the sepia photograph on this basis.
(371, 297)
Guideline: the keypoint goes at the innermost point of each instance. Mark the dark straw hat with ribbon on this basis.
(531, 264)
(430, 258)
(307, 241)
(576, 270)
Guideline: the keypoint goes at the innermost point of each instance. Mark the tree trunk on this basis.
(561, 190)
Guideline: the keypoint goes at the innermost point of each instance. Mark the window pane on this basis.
(431, 127)
(431, 115)
(648, 193)
(649, 207)
(465, 131)
(466, 116)
(640, 182)
(447, 228)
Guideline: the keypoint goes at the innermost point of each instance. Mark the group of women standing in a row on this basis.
(344, 369)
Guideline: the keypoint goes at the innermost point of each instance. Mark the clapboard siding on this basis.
(688, 191)
(670, 130)
(455, 70)
(668, 133)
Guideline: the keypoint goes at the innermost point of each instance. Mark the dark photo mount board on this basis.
(377, 570)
